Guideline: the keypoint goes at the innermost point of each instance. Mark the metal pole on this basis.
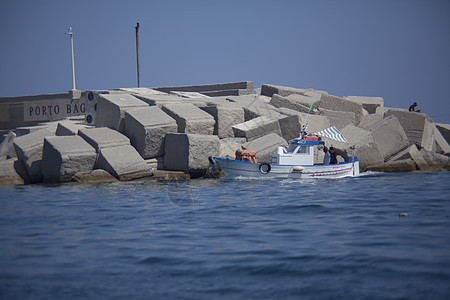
(137, 54)
(73, 59)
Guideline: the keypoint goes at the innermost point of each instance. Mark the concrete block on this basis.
(123, 162)
(50, 126)
(190, 119)
(225, 117)
(390, 137)
(64, 156)
(190, 95)
(361, 144)
(111, 109)
(160, 100)
(94, 176)
(340, 104)
(404, 165)
(417, 126)
(442, 146)
(233, 92)
(12, 171)
(444, 129)
(146, 128)
(368, 103)
(339, 119)
(68, 127)
(315, 122)
(155, 163)
(256, 128)
(411, 153)
(292, 103)
(142, 92)
(228, 146)
(103, 137)
(368, 121)
(290, 127)
(270, 89)
(265, 146)
(241, 85)
(254, 107)
(437, 162)
(190, 152)
(91, 100)
(7, 146)
(29, 152)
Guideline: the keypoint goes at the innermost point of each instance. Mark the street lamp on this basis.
(137, 54)
(70, 33)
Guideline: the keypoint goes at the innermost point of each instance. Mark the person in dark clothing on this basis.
(333, 157)
(413, 107)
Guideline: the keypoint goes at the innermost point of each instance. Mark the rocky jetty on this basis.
(169, 132)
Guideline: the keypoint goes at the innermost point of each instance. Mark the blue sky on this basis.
(398, 50)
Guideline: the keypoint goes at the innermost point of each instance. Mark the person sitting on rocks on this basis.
(413, 107)
(333, 156)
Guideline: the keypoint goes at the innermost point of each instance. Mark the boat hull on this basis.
(235, 169)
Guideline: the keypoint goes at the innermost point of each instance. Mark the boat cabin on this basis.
(299, 153)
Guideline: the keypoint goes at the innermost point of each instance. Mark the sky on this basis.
(395, 49)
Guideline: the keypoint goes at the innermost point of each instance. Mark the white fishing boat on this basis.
(297, 161)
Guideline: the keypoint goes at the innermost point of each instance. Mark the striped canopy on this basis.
(332, 133)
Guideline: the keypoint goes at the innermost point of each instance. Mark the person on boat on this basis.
(333, 156)
(413, 107)
(326, 157)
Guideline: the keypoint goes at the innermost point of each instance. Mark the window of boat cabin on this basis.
(301, 150)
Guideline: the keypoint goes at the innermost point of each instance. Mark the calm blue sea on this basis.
(214, 239)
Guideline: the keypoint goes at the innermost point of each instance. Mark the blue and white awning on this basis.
(332, 133)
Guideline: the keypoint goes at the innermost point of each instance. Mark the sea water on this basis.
(379, 236)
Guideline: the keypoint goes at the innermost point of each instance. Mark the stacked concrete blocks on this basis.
(64, 156)
(190, 152)
(103, 137)
(123, 162)
(410, 153)
(390, 137)
(265, 146)
(29, 152)
(417, 126)
(13, 171)
(360, 143)
(442, 147)
(68, 127)
(215, 90)
(190, 119)
(115, 154)
(291, 103)
(335, 103)
(368, 103)
(271, 89)
(112, 107)
(256, 128)
(254, 106)
(290, 127)
(225, 117)
(146, 128)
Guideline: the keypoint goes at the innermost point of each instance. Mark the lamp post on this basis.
(137, 54)
(70, 33)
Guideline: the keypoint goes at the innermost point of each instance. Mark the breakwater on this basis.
(169, 132)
